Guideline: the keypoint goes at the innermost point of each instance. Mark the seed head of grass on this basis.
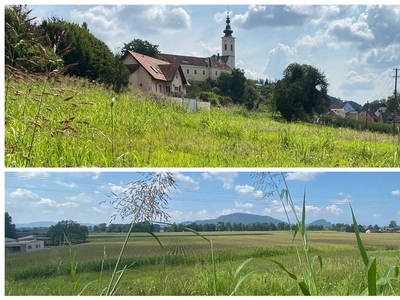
(145, 200)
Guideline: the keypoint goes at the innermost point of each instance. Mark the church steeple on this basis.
(228, 31)
(228, 44)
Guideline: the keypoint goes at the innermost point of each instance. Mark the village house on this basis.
(375, 112)
(343, 110)
(171, 73)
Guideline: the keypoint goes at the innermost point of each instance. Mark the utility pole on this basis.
(396, 108)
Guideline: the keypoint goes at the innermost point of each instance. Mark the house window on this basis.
(29, 247)
(168, 89)
(195, 72)
(37, 246)
(160, 87)
(187, 71)
(216, 72)
(176, 76)
(204, 72)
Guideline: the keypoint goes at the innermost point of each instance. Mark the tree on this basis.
(68, 231)
(84, 55)
(301, 93)
(392, 224)
(10, 231)
(251, 96)
(140, 46)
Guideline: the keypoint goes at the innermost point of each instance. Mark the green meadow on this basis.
(73, 123)
(186, 266)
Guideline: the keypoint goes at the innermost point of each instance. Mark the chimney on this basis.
(218, 56)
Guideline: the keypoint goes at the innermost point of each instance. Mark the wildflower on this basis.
(112, 101)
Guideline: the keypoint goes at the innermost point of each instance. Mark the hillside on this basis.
(322, 222)
(239, 218)
(75, 125)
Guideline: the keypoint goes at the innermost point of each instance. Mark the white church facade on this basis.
(171, 73)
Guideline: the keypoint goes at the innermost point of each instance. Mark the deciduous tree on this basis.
(10, 230)
(301, 93)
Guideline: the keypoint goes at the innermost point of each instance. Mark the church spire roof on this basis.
(228, 31)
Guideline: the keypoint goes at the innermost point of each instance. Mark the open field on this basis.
(72, 123)
(188, 268)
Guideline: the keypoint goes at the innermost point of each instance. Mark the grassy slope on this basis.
(342, 270)
(45, 127)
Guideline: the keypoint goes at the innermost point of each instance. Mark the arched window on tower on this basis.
(225, 46)
(231, 47)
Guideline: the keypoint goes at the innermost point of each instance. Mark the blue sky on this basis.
(32, 196)
(357, 47)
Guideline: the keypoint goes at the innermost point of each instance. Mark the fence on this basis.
(192, 105)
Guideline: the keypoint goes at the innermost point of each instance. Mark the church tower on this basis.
(228, 44)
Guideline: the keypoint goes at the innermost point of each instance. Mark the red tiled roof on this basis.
(151, 65)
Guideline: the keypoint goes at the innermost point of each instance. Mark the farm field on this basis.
(72, 123)
(188, 267)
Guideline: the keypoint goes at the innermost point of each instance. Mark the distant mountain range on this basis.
(251, 218)
(43, 224)
(238, 218)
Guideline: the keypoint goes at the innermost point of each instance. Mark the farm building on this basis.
(26, 244)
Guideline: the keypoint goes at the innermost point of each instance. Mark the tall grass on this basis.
(76, 126)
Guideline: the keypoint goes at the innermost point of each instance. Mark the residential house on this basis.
(170, 73)
(375, 112)
(149, 74)
(343, 110)
(367, 116)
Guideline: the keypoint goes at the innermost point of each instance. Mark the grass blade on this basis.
(242, 265)
(242, 278)
(359, 242)
(385, 280)
(371, 269)
(283, 268)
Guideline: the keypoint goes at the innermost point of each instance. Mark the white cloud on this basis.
(81, 197)
(278, 59)
(246, 205)
(30, 175)
(355, 81)
(266, 211)
(333, 209)
(346, 199)
(398, 212)
(227, 178)
(45, 202)
(116, 189)
(23, 193)
(164, 18)
(96, 210)
(176, 215)
(68, 185)
(377, 215)
(186, 182)
(96, 175)
(302, 176)
(248, 191)
(396, 192)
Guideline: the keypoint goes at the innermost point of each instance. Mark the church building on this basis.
(171, 73)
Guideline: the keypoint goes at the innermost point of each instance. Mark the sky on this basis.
(356, 47)
(84, 196)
